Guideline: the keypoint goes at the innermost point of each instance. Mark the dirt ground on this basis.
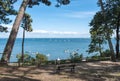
(85, 71)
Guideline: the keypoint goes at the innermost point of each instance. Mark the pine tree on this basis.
(10, 43)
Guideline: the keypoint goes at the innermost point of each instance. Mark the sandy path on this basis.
(86, 71)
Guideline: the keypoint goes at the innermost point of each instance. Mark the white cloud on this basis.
(55, 32)
(84, 14)
(47, 34)
(40, 31)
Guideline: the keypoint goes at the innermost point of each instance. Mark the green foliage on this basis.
(97, 58)
(3, 29)
(62, 2)
(98, 33)
(103, 25)
(50, 62)
(28, 60)
(106, 53)
(41, 58)
(75, 57)
(18, 57)
(31, 3)
(26, 22)
(6, 9)
(37, 2)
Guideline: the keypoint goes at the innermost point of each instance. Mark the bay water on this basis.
(53, 48)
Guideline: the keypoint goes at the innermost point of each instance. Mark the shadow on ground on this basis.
(91, 71)
(16, 74)
(17, 79)
(95, 71)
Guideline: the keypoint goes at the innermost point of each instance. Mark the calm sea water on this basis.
(52, 47)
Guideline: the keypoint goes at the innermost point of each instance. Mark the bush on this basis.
(76, 57)
(97, 58)
(28, 60)
(106, 53)
(41, 59)
(50, 62)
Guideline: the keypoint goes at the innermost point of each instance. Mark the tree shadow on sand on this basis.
(17, 74)
(89, 72)
(17, 79)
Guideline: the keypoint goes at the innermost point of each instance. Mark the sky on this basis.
(69, 21)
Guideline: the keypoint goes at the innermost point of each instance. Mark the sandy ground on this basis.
(85, 71)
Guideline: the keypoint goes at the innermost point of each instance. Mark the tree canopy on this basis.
(3, 29)
(104, 23)
(6, 9)
(25, 3)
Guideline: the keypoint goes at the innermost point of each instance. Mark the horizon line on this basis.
(49, 37)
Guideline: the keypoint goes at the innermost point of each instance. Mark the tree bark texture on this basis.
(11, 40)
(23, 45)
(117, 37)
(107, 34)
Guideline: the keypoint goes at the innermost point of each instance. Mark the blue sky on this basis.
(71, 21)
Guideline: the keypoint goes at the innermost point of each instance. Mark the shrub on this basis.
(28, 60)
(41, 59)
(76, 57)
(106, 53)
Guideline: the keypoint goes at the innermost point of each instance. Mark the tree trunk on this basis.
(107, 33)
(23, 46)
(101, 5)
(10, 43)
(100, 51)
(111, 48)
(117, 36)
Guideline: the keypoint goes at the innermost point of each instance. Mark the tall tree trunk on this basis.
(117, 36)
(100, 50)
(102, 7)
(10, 43)
(111, 48)
(23, 45)
(107, 33)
